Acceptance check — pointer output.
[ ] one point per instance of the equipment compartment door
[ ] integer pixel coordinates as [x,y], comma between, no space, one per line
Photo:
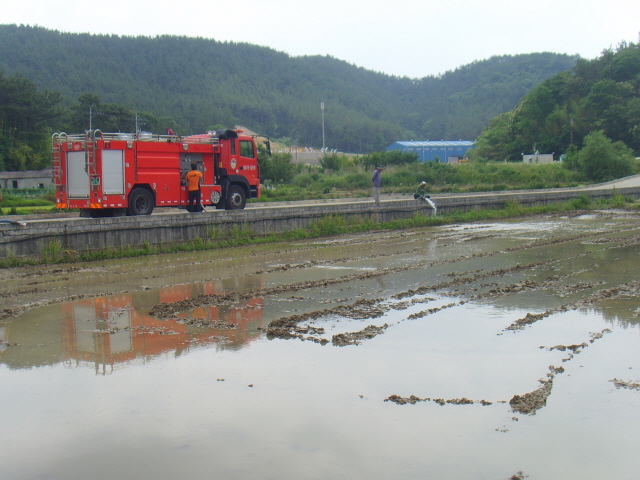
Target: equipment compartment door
[113,172]
[77,176]
[185,165]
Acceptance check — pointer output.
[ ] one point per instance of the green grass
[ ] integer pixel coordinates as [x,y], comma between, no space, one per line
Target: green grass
[353,181]
[17,205]
[27,210]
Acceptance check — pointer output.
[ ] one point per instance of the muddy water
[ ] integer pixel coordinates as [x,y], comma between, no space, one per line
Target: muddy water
[484,351]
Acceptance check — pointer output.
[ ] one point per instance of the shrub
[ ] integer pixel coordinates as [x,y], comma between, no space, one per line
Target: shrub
[280,168]
[305,180]
[334,162]
[602,160]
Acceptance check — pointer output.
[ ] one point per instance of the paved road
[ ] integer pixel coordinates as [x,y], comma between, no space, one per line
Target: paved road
[632,181]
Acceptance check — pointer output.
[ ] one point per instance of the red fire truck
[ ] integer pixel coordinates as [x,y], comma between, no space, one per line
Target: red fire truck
[114,174]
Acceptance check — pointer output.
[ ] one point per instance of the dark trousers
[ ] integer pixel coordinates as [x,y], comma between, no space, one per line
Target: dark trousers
[194,201]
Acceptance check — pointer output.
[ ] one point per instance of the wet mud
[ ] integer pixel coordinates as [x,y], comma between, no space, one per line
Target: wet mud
[354,338]
[629,385]
[629,290]
[412,400]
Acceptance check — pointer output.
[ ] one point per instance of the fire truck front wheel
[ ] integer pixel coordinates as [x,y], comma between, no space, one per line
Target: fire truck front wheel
[140,202]
[236,198]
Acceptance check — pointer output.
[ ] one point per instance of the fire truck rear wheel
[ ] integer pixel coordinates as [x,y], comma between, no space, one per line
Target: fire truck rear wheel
[237,198]
[140,202]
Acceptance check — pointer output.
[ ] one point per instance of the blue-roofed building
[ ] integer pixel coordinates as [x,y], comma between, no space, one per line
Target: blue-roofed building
[446,150]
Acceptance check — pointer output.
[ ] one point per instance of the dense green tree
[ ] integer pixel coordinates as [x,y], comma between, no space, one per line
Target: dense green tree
[24,113]
[572,160]
[264,161]
[602,160]
[597,95]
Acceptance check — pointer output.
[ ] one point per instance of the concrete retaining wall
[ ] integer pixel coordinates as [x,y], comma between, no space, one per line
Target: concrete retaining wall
[80,234]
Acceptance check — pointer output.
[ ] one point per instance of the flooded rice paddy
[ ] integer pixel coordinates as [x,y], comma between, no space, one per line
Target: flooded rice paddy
[481,351]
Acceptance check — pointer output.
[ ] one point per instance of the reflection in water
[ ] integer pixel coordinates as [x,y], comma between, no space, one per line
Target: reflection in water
[106,331]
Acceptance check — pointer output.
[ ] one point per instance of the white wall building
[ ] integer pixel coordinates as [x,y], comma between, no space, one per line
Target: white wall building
[28,179]
[538,158]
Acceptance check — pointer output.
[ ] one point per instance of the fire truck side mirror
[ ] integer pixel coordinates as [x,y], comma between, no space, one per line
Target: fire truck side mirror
[267,144]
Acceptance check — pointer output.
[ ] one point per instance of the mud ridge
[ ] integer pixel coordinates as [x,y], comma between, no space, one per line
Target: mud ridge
[355,338]
[167,310]
[288,327]
[530,403]
[19,309]
[550,283]
[626,290]
[412,400]
[518,476]
[335,261]
[431,311]
[466,280]
[623,384]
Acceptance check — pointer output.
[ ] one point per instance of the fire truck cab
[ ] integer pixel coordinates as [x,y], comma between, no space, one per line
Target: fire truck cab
[113,174]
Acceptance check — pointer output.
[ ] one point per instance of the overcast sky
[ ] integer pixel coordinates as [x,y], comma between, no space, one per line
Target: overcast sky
[414,38]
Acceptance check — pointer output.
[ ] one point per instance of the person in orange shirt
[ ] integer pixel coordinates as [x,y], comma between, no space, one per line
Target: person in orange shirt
[194,178]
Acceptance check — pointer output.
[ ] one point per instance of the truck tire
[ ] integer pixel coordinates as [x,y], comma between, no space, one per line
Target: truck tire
[236,198]
[140,202]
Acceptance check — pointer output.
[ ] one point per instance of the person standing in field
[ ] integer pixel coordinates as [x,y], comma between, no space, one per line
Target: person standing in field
[376,183]
[194,178]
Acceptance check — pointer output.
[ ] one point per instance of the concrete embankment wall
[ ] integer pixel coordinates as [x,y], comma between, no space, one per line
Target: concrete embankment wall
[79,234]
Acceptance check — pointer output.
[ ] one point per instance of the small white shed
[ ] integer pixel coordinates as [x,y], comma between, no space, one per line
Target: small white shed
[538,158]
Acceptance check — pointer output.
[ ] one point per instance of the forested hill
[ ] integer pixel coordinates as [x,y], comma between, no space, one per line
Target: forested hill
[200,83]
[602,94]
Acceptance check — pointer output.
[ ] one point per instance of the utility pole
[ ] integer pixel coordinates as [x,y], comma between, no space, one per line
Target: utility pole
[322,109]
[91,114]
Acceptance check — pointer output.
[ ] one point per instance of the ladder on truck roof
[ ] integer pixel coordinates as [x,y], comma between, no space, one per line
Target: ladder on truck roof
[89,139]
[56,168]
[90,151]
[212,137]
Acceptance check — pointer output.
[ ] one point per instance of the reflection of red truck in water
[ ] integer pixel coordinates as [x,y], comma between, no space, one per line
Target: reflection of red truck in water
[107,174]
[109,330]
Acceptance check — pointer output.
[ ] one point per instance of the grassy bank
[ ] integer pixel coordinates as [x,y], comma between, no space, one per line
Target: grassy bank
[351,180]
[217,238]
[24,204]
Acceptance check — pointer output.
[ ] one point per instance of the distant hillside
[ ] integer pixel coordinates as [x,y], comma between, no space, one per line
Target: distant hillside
[599,94]
[200,83]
